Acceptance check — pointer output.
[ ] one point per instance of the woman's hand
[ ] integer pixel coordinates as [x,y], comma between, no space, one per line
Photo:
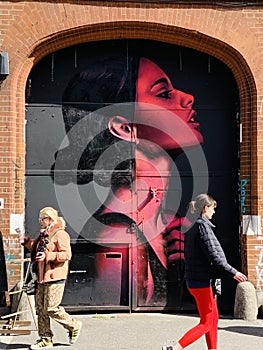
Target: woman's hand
[240,277]
[41,256]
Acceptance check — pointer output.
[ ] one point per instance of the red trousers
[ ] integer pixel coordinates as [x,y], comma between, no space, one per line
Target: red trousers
[207,326]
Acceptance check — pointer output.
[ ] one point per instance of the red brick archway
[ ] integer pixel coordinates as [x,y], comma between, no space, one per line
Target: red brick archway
[152,31]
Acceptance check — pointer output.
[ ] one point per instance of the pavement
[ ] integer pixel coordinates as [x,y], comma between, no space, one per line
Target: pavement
[140,331]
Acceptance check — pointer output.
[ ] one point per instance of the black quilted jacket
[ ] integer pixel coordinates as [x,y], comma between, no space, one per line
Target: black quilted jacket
[204,256]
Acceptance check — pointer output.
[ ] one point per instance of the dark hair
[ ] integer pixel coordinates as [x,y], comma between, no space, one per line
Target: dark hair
[200,202]
[91,96]
[112,80]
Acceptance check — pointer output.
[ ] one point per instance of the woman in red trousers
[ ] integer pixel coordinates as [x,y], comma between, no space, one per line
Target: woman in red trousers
[203,257]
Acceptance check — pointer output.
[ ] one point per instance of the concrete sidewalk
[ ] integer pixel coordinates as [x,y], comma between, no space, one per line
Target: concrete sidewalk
[142,331]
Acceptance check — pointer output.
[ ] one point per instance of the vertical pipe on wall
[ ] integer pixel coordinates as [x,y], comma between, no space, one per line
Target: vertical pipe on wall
[52,67]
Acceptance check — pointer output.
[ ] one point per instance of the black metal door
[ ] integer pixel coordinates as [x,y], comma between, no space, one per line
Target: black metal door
[114,263]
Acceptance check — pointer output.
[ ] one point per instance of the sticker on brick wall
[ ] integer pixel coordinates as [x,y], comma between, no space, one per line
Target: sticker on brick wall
[251,225]
[16,223]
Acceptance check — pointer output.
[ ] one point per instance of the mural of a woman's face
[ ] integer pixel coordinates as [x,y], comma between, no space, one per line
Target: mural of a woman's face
[165,116]
[116,178]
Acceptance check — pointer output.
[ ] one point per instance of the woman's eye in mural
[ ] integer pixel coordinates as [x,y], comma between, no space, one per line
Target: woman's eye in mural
[162,88]
[165,94]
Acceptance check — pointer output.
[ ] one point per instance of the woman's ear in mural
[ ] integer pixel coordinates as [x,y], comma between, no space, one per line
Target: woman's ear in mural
[122,128]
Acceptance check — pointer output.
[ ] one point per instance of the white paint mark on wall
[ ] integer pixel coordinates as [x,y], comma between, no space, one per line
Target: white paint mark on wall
[259,267]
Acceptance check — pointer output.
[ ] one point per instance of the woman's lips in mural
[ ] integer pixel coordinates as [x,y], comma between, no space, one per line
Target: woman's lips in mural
[192,120]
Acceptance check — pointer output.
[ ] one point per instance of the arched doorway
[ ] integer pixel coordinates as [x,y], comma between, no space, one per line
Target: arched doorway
[107,273]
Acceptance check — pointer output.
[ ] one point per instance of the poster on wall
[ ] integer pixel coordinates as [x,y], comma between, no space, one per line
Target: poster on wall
[121,135]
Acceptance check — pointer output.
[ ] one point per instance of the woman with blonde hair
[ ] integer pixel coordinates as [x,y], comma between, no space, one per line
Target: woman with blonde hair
[204,259]
[50,254]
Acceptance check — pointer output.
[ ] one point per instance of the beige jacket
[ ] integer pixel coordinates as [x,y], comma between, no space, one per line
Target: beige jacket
[58,254]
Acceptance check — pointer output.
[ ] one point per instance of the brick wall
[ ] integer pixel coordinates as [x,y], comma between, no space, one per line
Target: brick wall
[31,30]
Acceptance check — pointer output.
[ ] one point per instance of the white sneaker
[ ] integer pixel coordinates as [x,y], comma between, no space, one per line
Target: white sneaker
[42,344]
[74,334]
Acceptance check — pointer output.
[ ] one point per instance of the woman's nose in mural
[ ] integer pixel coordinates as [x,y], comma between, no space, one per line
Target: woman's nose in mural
[185,100]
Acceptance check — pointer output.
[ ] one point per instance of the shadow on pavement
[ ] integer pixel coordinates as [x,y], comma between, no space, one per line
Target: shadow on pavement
[13,346]
[255,331]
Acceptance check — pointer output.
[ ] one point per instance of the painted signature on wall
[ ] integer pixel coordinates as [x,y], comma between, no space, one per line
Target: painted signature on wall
[243,184]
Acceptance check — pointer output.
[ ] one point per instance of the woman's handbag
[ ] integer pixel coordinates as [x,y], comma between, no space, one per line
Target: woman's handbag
[31,282]
[216,286]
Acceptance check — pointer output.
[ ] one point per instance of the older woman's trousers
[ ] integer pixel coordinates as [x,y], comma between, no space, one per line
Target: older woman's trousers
[48,299]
